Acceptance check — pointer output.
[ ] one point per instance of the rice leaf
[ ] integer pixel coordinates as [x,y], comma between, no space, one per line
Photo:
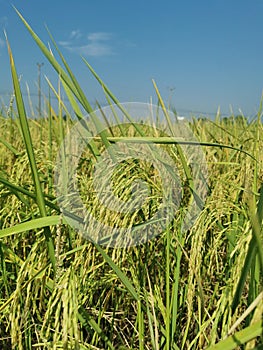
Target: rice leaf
[30,152]
[32,225]
[239,338]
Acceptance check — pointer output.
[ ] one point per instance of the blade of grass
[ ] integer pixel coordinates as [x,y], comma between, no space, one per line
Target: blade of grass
[32,225]
[86,319]
[57,96]
[182,157]
[120,126]
[171,141]
[50,147]
[70,80]
[80,94]
[10,147]
[18,189]
[30,152]
[175,287]
[113,97]
[83,100]
[125,280]
[254,246]
[61,72]
[239,338]
[257,233]
[246,313]
[167,117]
[167,288]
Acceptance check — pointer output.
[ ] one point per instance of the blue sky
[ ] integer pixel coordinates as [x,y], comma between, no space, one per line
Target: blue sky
[202,54]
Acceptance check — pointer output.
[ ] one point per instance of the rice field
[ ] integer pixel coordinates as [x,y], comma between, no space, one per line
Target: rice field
[65,283]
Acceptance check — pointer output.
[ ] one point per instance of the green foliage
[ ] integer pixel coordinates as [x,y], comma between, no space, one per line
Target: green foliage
[182,290]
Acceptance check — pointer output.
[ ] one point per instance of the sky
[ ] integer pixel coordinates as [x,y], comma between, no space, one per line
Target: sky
[201,54]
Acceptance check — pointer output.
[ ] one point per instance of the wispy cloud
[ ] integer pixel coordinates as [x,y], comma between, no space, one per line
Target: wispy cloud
[94,49]
[75,34]
[64,43]
[99,36]
[94,44]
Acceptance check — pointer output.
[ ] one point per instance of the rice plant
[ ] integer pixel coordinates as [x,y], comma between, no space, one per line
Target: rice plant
[193,288]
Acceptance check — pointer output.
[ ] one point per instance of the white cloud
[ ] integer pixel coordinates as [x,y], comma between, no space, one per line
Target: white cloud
[99,36]
[64,43]
[94,49]
[75,34]
[97,43]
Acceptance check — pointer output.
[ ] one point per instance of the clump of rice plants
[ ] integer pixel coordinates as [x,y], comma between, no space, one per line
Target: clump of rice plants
[196,288]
